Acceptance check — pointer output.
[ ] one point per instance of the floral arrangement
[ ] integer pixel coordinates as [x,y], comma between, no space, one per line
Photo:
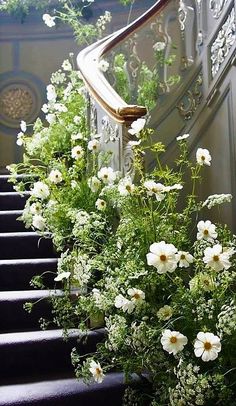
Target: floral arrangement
[159,278]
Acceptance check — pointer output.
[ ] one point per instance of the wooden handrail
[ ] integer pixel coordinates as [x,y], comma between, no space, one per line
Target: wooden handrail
[96,82]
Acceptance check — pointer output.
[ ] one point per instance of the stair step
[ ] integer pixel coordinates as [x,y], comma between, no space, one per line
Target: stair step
[42,352]
[13,200]
[17,273]
[6,186]
[13,317]
[25,245]
[65,392]
[9,222]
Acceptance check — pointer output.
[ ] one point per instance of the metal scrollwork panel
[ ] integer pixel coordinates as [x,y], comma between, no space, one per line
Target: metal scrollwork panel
[93,116]
[223,43]
[191,100]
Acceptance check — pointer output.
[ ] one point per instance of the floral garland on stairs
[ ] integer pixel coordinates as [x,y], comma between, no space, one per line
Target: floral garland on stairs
[161,281]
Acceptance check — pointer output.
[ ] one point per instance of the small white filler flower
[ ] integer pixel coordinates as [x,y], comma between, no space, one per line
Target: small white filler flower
[137,126]
[40,190]
[55,176]
[49,20]
[101,204]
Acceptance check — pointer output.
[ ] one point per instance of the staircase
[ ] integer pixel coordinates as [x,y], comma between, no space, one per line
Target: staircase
[35,367]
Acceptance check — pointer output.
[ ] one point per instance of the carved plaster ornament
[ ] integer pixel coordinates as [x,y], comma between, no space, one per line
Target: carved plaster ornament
[223,42]
[191,100]
[110,132]
[216,6]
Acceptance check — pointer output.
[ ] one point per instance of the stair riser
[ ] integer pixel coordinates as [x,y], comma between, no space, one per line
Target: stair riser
[9,222]
[18,275]
[6,186]
[25,246]
[13,317]
[12,201]
[47,356]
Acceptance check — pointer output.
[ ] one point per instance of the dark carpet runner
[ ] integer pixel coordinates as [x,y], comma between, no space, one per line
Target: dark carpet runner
[35,366]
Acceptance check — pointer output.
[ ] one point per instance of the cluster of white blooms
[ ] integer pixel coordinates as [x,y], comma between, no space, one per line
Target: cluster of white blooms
[192,387]
[227,320]
[51,93]
[20,135]
[139,337]
[103,21]
[217,199]
[116,327]
[57,78]
[66,65]
[137,296]
[203,309]
[82,270]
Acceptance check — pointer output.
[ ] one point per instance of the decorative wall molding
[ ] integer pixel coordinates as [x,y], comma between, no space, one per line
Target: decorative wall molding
[223,42]
[20,99]
[192,98]
[217,6]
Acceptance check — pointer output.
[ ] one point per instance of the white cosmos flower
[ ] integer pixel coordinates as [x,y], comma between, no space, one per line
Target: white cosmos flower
[184,259]
[96,371]
[156,189]
[40,190]
[51,93]
[107,175]
[202,281]
[206,230]
[35,208]
[163,257]
[94,145]
[122,303]
[20,140]
[94,183]
[203,157]
[23,126]
[173,341]
[103,65]
[137,126]
[50,118]
[216,258]
[61,276]
[165,313]
[38,222]
[182,137]
[101,204]
[55,176]
[207,346]
[137,295]
[77,152]
[126,187]
[49,20]
[66,65]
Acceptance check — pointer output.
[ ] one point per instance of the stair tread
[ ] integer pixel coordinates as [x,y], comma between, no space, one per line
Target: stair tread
[27,294]
[61,391]
[40,335]
[27,261]
[10,212]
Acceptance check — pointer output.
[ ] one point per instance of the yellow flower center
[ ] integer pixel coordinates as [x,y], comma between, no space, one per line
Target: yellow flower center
[128,188]
[105,176]
[163,258]
[182,256]
[173,340]
[207,346]
[205,232]
[98,371]
[136,296]
[203,158]
[216,258]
